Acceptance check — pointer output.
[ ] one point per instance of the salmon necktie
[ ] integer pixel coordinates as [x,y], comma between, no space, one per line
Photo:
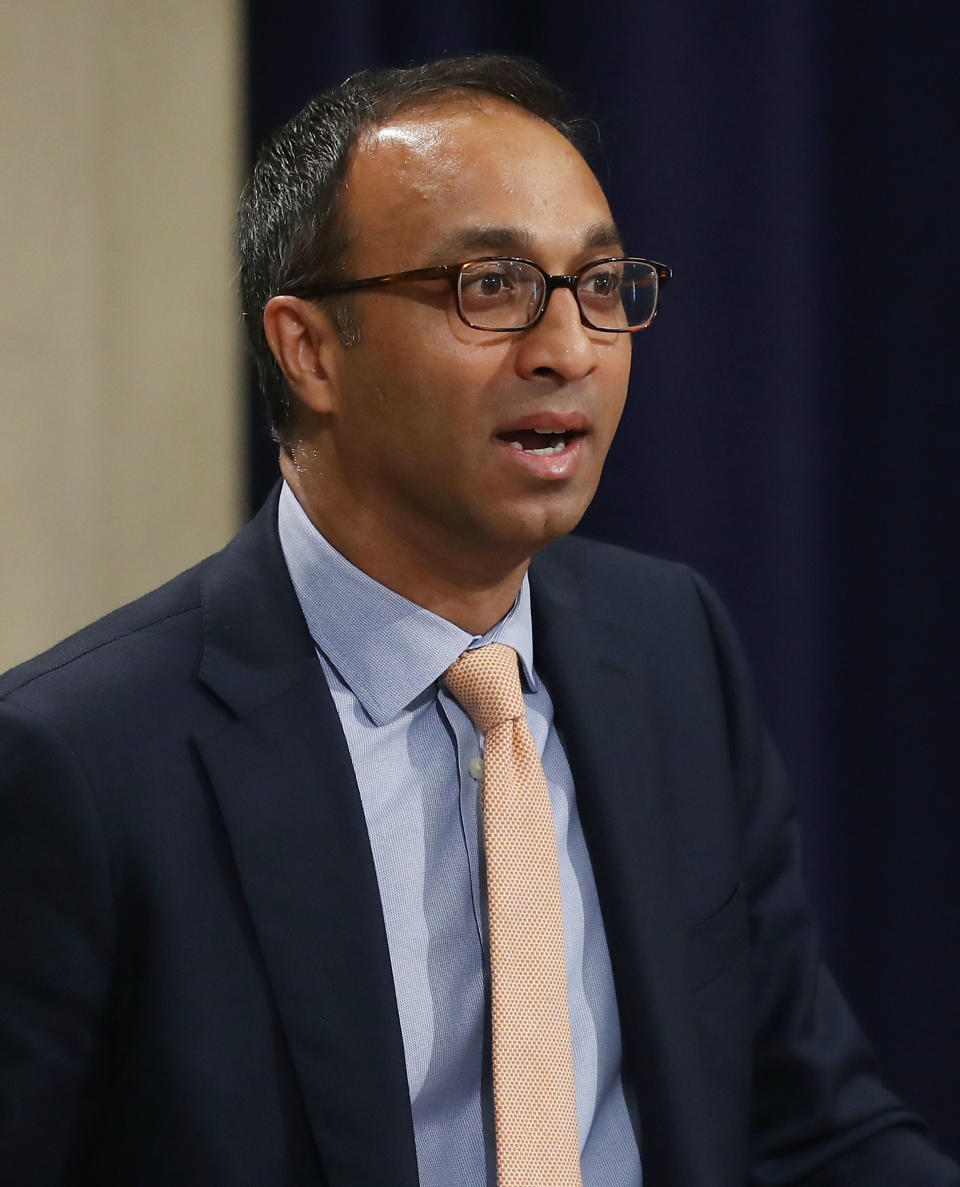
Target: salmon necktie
[534,1097]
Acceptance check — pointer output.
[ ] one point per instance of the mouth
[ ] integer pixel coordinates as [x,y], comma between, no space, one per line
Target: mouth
[541,442]
[548,446]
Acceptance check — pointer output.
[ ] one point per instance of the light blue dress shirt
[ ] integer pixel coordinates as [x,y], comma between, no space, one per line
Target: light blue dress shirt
[417,759]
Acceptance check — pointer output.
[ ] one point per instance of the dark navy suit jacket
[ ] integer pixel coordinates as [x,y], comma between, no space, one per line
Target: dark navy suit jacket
[195,986]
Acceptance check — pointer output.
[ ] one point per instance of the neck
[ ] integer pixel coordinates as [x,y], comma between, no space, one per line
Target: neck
[473,592]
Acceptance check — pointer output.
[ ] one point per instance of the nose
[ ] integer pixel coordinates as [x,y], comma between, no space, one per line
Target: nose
[559,344]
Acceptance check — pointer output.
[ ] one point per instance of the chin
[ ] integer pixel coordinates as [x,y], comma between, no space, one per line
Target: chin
[527,533]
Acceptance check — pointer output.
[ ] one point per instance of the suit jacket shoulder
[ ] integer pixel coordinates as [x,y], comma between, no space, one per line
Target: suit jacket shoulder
[749,1066]
[196,985]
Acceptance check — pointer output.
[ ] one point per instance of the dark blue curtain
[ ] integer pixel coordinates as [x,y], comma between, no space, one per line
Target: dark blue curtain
[793,417]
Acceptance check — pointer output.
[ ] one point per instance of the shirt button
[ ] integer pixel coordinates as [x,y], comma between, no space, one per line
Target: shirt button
[476,768]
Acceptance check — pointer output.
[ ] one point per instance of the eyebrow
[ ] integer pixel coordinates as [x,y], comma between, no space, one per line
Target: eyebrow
[519,241]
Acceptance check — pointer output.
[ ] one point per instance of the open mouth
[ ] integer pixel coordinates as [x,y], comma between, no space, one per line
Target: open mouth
[542,442]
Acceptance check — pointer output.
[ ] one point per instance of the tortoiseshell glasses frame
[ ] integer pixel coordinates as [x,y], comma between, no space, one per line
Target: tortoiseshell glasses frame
[507,294]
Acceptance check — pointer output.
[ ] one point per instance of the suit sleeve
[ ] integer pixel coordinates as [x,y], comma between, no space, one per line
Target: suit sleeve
[56,948]
[819,1114]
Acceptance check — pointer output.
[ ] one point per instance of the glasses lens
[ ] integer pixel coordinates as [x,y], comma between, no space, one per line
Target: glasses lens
[619,294]
[500,294]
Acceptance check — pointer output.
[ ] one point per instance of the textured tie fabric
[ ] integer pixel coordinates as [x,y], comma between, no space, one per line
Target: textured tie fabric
[535,1105]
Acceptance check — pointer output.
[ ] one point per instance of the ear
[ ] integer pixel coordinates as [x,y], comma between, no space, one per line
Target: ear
[306,345]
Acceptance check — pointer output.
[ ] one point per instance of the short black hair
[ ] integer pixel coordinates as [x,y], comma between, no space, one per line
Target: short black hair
[289,224]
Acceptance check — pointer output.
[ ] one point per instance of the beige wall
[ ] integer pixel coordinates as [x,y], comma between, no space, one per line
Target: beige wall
[120,388]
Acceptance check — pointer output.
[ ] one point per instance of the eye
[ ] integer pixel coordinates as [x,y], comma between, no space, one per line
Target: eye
[602,283]
[490,284]
[494,282]
[491,278]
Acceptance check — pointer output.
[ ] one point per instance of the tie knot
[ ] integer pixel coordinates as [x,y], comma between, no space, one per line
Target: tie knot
[486,682]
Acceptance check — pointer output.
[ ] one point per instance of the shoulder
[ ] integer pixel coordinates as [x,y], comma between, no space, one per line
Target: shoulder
[86,721]
[155,639]
[612,583]
[118,642]
[659,616]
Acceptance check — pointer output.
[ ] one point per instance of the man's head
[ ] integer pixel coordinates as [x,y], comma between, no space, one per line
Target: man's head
[417,442]
[292,225]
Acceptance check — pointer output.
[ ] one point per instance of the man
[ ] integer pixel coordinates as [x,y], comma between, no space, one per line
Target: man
[246,867]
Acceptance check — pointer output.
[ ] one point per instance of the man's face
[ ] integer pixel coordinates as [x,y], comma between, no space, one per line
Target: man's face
[431,412]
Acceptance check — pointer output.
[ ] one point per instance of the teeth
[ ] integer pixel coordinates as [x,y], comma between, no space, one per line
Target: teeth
[558,442]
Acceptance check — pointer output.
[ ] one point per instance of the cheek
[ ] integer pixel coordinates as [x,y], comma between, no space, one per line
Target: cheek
[440,390]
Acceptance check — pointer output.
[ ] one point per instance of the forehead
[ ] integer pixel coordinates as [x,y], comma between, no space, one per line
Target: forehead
[465,174]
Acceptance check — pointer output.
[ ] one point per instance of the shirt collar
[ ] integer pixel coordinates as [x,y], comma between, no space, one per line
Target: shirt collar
[387,649]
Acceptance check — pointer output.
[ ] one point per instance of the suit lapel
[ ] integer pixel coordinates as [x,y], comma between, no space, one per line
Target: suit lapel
[601,708]
[284,781]
[283,778]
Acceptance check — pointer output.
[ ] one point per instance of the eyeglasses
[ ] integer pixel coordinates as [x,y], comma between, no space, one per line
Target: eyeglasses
[618,295]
